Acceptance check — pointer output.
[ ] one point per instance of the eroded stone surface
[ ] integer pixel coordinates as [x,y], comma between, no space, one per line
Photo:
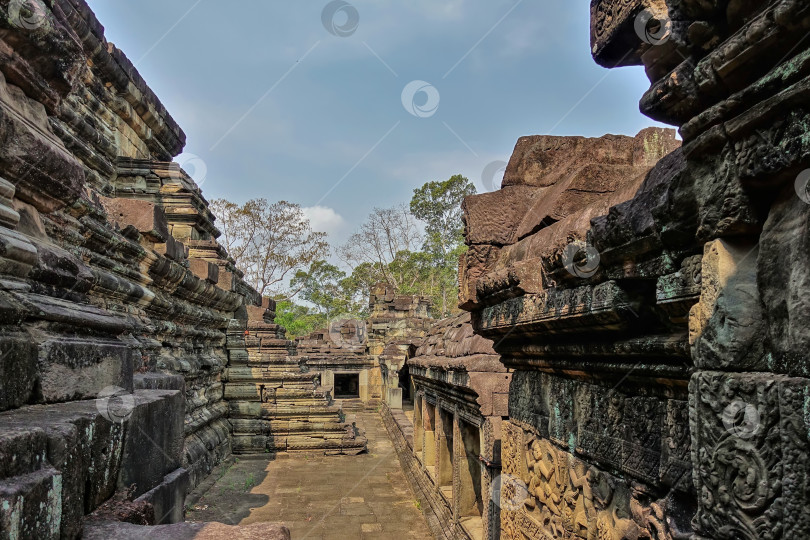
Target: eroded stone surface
[612,302]
[109,266]
[275,404]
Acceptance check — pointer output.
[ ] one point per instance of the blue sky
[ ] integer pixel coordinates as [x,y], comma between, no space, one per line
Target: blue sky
[276,106]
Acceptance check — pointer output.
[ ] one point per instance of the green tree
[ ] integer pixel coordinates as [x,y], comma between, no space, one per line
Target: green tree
[386,234]
[438,205]
[297,319]
[321,286]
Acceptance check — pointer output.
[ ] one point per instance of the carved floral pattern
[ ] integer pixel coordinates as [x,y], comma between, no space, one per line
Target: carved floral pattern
[568,498]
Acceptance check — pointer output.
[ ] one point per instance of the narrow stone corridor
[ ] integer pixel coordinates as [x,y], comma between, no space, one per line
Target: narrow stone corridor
[320,497]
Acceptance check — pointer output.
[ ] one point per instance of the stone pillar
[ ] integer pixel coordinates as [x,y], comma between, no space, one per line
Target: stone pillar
[394,398]
[470,499]
[429,450]
[418,426]
[365,390]
[445,451]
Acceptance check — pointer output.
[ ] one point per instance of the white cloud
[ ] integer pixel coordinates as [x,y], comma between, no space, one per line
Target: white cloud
[324,219]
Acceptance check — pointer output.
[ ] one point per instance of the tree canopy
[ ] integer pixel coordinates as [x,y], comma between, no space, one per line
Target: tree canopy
[269,241]
[413,248]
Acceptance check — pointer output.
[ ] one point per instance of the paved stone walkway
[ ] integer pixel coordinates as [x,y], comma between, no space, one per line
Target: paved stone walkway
[320,497]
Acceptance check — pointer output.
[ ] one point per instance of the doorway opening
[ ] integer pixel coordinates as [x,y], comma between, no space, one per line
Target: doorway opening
[347,385]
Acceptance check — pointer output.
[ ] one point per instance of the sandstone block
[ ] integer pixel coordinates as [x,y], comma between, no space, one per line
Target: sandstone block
[204,270]
[18,369]
[154,443]
[148,218]
[80,368]
[168,498]
[173,249]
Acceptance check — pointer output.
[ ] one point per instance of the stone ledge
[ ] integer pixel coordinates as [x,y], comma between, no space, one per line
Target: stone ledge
[104,530]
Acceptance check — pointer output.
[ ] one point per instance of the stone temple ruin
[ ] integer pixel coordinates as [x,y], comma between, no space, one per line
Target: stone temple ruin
[631,362]
[360,361]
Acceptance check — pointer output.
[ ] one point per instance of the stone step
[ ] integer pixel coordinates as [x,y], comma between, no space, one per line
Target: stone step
[255,409]
[79,449]
[255,392]
[285,426]
[253,444]
[31,505]
[250,374]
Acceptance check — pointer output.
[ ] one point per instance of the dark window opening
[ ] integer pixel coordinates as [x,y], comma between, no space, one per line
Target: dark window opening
[347,385]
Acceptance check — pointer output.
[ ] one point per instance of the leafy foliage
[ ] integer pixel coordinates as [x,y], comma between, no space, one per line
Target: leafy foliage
[297,319]
[391,248]
[273,244]
[385,235]
[326,287]
[438,204]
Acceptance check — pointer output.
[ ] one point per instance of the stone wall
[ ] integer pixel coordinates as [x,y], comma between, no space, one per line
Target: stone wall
[656,324]
[396,327]
[461,391]
[567,274]
[115,298]
[341,350]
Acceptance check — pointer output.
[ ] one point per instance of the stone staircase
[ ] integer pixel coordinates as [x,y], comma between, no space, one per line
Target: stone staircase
[273,405]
